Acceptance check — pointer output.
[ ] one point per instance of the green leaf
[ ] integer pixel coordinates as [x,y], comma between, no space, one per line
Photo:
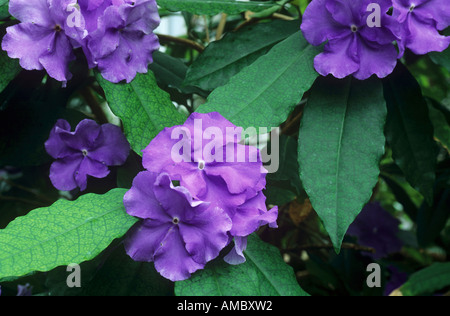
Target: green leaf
[170,73]
[222,59]
[409,131]
[402,197]
[66,232]
[442,58]
[341,143]
[130,278]
[4,9]
[432,219]
[143,107]
[10,68]
[264,93]
[288,164]
[263,274]
[427,281]
[213,7]
[440,124]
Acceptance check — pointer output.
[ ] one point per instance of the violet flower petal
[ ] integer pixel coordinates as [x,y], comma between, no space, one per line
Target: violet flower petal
[89,167]
[62,172]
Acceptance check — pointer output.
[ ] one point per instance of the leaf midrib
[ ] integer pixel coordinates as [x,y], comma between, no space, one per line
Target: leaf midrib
[338,156]
[272,82]
[255,262]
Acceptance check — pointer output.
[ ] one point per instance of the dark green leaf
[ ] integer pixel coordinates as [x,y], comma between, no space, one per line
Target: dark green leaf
[440,124]
[213,7]
[263,274]
[222,59]
[341,142]
[409,131]
[119,275]
[264,93]
[143,107]
[402,197]
[432,219]
[4,9]
[442,58]
[427,281]
[10,69]
[287,163]
[170,73]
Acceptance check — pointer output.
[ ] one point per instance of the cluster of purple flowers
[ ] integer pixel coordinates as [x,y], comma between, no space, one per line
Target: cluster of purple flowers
[191,208]
[115,35]
[217,200]
[360,35]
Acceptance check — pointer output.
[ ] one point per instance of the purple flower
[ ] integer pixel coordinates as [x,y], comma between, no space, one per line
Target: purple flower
[396,280]
[421,21]
[205,156]
[352,46]
[179,234]
[42,39]
[375,227]
[121,39]
[24,290]
[88,151]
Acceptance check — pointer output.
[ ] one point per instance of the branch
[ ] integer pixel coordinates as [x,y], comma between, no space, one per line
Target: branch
[94,104]
[329,246]
[17,199]
[171,39]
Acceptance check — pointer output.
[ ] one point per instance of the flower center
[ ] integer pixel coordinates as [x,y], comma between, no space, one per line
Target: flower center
[175,220]
[354,28]
[85,152]
[57,28]
[412,7]
[201,164]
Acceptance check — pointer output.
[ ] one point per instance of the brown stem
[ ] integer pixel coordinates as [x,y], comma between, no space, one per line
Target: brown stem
[328,246]
[294,121]
[94,104]
[171,39]
[16,199]
[221,27]
[23,188]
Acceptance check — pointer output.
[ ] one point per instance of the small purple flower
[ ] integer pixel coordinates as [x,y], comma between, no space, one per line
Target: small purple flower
[24,290]
[121,39]
[375,227]
[179,234]
[396,280]
[88,151]
[421,21]
[43,39]
[352,46]
[206,156]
